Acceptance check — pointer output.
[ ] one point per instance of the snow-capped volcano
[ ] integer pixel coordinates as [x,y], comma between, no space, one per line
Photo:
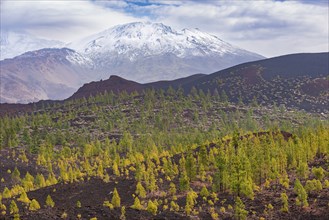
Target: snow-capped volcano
[153,51]
[152,39]
[13,43]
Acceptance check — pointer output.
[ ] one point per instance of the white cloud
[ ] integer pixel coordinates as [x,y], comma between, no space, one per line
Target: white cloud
[270,28]
[60,20]
[267,27]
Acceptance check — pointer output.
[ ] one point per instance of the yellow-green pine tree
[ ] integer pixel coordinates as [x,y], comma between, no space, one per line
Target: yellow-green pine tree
[50,202]
[116,201]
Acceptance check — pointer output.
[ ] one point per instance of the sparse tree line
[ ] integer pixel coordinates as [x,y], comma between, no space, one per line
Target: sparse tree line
[156,113]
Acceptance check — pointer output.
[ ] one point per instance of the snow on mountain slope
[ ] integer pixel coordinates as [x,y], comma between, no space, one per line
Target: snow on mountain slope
[43,74]
[16,43]
[153,39]
[152,51]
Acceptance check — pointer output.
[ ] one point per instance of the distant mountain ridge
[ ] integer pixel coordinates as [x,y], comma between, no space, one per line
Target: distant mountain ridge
[296,80]
[43,74]
[14,43]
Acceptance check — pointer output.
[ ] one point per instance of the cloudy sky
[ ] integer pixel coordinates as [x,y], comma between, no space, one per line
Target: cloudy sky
[268,27]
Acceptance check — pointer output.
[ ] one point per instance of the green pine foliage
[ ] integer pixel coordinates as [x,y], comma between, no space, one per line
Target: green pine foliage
[318,172]
[313,185]
[172,188]
[184,182]
[15,175]
[34,205]
[239,210]
[6,193]
[50,202]
[123,213]
[190,201]
[24,198]
[301,199]
[140,190]
[116,201]
[204,192]
[285,204]
[152,207]
[13,208]
[137,204]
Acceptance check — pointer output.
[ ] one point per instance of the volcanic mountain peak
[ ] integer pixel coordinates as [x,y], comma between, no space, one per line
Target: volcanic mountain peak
[146,52]
[151,39]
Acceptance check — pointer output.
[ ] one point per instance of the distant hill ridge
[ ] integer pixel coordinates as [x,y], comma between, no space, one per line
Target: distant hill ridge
[296,80]
[118,84]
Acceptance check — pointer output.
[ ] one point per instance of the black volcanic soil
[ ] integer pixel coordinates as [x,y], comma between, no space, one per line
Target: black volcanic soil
[9,160]
[316,87]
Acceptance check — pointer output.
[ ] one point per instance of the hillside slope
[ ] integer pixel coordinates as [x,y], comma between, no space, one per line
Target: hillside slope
[297,80]
[43,74]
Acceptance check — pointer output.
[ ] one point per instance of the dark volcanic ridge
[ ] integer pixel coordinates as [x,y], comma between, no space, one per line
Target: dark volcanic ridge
[298,81]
